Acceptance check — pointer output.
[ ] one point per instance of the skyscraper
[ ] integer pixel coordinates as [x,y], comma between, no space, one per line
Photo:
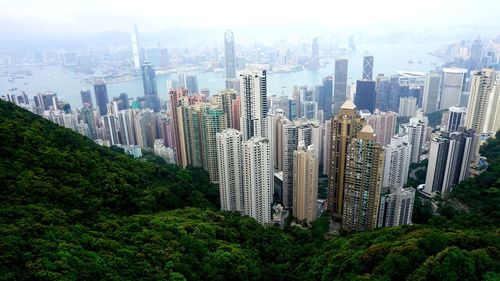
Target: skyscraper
[230,162]
[368,68]
[109,122]
[431,93]
[288,143]
[49,101]
[86,97]
[136,49]
[325,95]
[175,101]
[340,84]
[397,162]
[476,54]
[455,118]
[396,207]
[101,97]
[214,121]
[305,182]
[123,102]
[344,127]
[126,125]
[192,83]
[365,95]
[150,87]
[407,106]
[453,83]
[87,116]
[315,48]
[363,181]
[416,130]
[480,91]
[258,179]
[449,159]
[230,57]
[492,122]
[225,100]
[384,125]
[253,103]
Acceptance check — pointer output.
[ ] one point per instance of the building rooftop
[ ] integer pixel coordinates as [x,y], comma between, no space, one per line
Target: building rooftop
[348,105]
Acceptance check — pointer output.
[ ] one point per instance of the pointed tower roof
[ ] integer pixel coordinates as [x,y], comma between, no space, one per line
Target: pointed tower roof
[367,133]
[348,105]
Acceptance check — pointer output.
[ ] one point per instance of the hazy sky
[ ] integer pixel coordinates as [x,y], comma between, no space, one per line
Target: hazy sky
[56,17]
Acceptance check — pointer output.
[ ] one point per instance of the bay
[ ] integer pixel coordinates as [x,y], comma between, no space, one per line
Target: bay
[388,59]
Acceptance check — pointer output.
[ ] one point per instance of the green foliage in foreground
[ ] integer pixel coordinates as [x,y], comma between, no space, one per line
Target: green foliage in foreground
[71,210]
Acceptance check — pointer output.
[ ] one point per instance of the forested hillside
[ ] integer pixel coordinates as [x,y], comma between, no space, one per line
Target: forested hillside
[72,210]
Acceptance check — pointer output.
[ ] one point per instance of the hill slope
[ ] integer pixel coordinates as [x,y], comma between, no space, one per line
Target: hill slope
[70,209]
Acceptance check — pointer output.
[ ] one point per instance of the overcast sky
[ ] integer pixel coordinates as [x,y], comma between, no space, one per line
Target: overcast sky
[58,17]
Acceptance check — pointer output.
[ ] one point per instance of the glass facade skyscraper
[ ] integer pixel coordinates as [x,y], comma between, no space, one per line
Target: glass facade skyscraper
[150,88]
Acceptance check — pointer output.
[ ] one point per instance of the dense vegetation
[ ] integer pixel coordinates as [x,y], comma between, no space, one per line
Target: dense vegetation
[70,210]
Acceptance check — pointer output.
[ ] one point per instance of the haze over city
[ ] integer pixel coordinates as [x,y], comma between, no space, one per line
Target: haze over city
[42,21]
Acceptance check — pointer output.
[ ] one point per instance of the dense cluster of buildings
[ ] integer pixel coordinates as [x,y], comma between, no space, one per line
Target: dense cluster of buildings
[267,152]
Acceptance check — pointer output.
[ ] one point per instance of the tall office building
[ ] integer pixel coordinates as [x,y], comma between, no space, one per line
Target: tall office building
[480,92]
[288,138]
[123,102]
[258,179]
[191,130]
[363,181]
[476,54]
[86,97]
[164,58]
[492,122]
[230,164]
[407,106]
[325,158]
[109,122]
[455,118]
[368,68]
[136,49]
[344,127]
[397,162]
[449,161]
[384,125]
[277,119]
[305,182]
[145,128]
[176,96]
[225,100]
[236,113]
[192,83]
[214,121]
[416,130]
[431,92]
[101,97]
[325,95]
[452,87]
[253,103]
[150,87]
[339,84]
[49,101]
[315,48]
[230,57]
[87,116]
[126,125]
[396,207]
[365,95]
